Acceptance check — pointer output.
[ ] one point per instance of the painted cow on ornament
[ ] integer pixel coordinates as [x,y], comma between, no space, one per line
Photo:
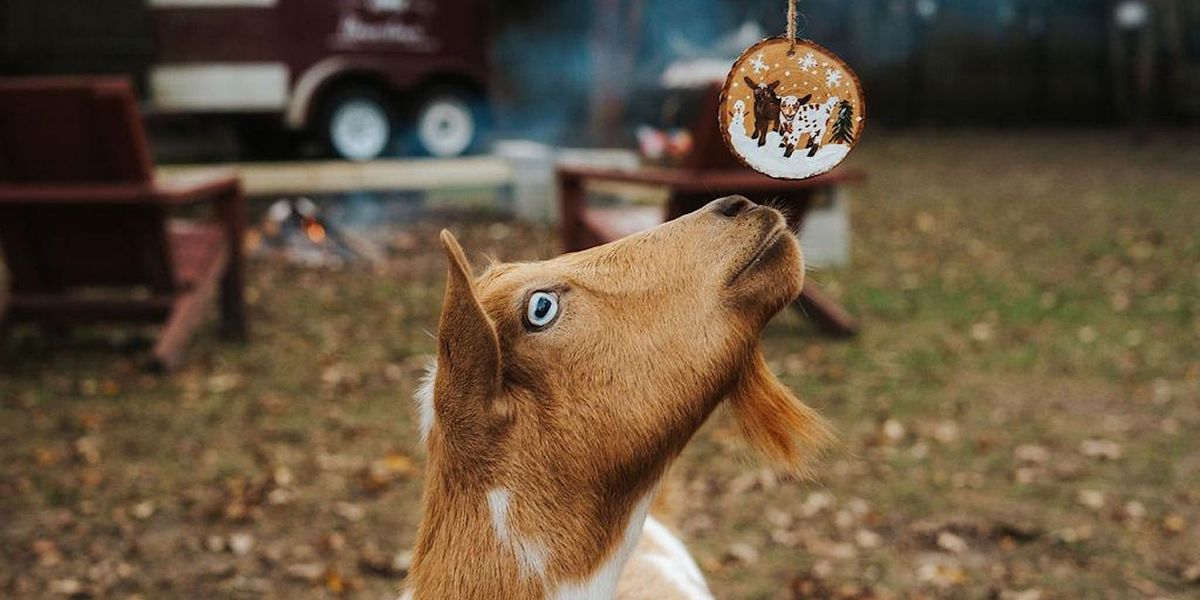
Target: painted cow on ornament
[564,389]
[811,120]
[766,109]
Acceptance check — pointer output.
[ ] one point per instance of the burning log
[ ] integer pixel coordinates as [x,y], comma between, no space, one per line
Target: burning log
[299,230]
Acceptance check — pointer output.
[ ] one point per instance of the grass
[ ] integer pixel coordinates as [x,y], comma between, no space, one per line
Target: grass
[1022,294]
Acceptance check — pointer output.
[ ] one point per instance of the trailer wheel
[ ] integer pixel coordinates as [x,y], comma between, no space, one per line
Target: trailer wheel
[447,122]
[358,123]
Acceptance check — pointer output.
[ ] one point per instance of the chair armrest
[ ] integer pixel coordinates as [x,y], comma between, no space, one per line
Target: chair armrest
[172,192]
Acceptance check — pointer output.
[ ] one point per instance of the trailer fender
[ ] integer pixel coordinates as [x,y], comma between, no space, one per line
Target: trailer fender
[300,106]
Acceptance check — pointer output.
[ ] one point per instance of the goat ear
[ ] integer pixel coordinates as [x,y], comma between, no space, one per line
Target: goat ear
[805,99]
[468,374]
[775,422]
[750,82]
[773,85]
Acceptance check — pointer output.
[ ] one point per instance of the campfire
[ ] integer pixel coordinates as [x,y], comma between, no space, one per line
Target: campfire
[299,231]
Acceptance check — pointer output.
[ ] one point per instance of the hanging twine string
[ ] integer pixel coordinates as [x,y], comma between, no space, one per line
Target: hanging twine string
[791,25]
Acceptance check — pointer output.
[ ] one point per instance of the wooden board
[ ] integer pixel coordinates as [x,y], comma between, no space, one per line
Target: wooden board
[323,177]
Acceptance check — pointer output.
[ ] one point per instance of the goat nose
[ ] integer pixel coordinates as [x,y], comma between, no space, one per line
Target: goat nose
[732,206]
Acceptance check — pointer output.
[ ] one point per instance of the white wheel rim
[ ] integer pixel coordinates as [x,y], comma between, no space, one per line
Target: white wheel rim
[359,129]
[446,126]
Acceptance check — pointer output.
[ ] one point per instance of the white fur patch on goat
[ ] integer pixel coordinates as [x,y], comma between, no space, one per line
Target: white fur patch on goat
[603,582]
[423,398]
[674,563]
[531,556]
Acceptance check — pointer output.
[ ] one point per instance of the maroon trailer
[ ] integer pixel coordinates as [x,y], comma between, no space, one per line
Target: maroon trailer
[357,73]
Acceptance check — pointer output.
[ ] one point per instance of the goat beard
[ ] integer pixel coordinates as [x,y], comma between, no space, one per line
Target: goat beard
[775,423]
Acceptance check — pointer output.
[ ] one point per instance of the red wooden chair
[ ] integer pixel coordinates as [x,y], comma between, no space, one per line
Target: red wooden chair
[708,172]
[84,225]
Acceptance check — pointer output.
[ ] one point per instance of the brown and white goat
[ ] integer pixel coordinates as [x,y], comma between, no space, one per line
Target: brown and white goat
[563,390]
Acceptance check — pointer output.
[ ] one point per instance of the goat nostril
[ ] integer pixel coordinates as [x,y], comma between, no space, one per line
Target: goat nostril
[732,206]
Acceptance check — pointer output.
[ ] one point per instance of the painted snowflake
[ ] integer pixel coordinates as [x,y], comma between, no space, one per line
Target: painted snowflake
[807,62]
[833,77]
[758,65]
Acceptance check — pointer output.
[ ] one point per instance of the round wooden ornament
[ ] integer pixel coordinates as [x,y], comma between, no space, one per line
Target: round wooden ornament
[791,109]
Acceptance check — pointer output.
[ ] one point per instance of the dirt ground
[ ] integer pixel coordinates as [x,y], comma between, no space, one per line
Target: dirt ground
[1019,418]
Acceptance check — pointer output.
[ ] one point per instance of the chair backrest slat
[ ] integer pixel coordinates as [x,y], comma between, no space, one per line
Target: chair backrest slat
[61,129]
[83,132]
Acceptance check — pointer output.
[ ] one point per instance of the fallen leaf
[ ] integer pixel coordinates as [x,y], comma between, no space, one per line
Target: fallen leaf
[1026,475]
[221,383]
[946,432]
[1030,453]
[867,539]
[399,464]
[1093,499]
[215,543]
[279,497]
[742,552]
[1030,594]
[942,574]
[377,563]
[1087,334]
[349,511]
[283,476]
[1134,509]
[1103,449]
[1191,574]
[334,582]
[309,572]
[951,543]
[47,457]
[66,587]
[983,332]
[1174,523]
[335,542]
[1074,535]
[894,431]
[142,510]
[241,543]
[47,552]
[87,449]
[815,503]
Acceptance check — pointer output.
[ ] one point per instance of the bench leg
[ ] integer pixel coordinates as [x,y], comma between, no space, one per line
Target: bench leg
[572,198]
[172,341]
[5,325]
[233,305]
[232,299]
[186,314]
[828,315]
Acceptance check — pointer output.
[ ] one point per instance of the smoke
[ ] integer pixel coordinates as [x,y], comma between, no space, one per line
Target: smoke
[920,61]
[546,67]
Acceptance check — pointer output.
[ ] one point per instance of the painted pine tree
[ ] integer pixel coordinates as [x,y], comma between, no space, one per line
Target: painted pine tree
[843,127]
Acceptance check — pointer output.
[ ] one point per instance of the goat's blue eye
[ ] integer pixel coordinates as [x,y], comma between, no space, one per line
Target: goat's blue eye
[542,309]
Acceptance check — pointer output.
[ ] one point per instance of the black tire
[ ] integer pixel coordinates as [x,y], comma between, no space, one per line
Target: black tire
[358,123]
[447,121]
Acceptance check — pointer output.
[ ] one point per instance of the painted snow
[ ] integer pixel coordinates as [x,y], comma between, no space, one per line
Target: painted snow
[769,158]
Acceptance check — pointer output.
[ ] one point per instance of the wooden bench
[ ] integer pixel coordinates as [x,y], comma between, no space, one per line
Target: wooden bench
[85,227]
[708,172]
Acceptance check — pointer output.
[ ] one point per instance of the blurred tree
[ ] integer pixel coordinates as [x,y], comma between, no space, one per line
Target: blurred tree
[615,38]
